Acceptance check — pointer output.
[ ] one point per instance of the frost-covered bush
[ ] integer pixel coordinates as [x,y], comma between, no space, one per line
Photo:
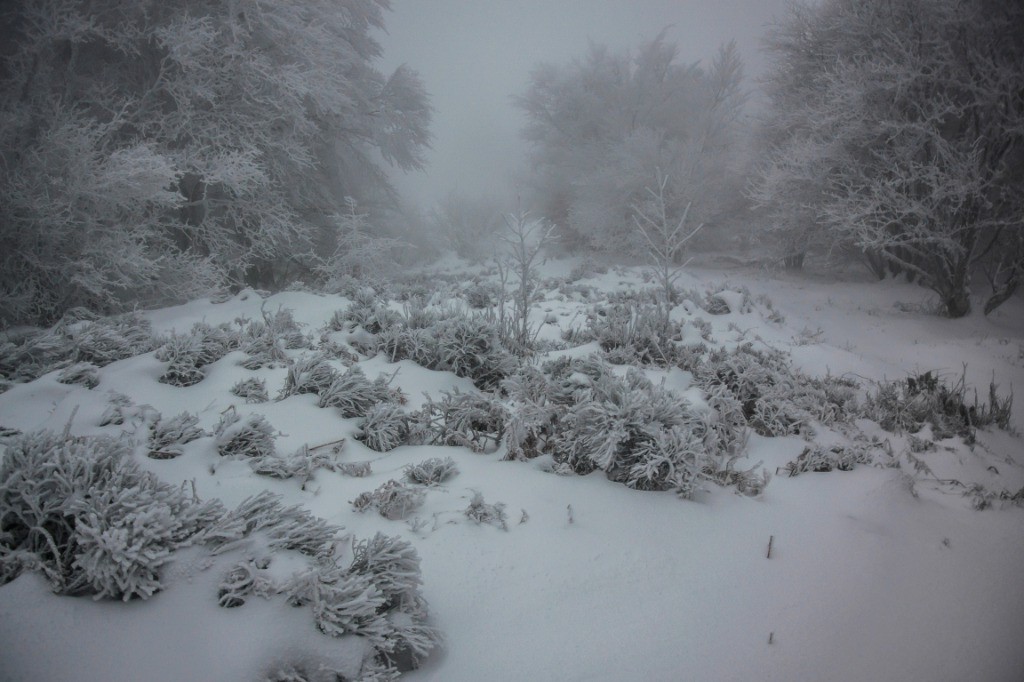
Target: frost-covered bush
[81,373]
[118,405]
[82,512]
[482,512]
[635,334]
[908,404]
[775,399]
[79,336]
[450,341]
[302,464]
[263,522]
[392,500]
[167,436]
[431,472]
[639,434]
[375,596]
[354,469]
[482,295]
[837,457]
[187,354]
[368,311]
[353,394]
[265,342]
[384,427]
[252,390]
[473,420]
[308,374]
[249,436]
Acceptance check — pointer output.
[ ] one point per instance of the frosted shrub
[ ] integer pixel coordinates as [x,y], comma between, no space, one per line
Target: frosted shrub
[203,345]
[311,374]
[354,469]
[78,337]
[167,436]
[367,311]
[81,373]
[252,390]
[637,433]
[473,420]
[431,472]
[262,521]
[775,399]
[302,464]
[189,353]
[118,406]
[908,404]
[482,295]
[468,346]
[353,394]
[375,597]
[264,342]
[384,427]
[392,500]
[249,436]
[81,511]
[838,457]
[110,339]
[481,512]
[635,334]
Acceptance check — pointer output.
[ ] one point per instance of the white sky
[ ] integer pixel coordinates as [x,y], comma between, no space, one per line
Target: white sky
[473,55]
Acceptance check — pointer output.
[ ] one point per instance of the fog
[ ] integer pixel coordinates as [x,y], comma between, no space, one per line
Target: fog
[473,56]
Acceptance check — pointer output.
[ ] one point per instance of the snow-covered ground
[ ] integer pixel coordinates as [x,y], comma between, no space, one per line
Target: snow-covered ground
[873,575]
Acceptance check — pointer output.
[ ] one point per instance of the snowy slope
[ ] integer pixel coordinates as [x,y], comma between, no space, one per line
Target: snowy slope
[873,575]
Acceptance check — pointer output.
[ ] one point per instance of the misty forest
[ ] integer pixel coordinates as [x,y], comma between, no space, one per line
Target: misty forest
[681,345]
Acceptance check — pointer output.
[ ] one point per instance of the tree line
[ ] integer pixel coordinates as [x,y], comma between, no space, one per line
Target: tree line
[150,150]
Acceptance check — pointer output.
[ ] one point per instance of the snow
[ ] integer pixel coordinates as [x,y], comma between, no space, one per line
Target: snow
[593,581]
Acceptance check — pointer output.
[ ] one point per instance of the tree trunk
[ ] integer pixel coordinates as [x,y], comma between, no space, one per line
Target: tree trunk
[794,261]
[1002,294]
[957,305]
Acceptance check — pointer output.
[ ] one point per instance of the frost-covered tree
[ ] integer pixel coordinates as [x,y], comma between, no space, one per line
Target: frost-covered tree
[602,125]
[898,127]
[144,143]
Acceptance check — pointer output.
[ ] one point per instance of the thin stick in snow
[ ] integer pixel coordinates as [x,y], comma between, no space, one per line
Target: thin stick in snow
[771,539]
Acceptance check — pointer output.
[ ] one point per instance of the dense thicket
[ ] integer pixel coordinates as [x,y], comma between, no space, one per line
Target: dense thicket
[152,147]
[606,127]
[897,127]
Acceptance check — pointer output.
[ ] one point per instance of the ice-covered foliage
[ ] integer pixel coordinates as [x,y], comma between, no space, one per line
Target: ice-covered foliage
[640,334]
[187,354]
[252,390]
[385,427]
[354,395]
[167,436]
[79,336]
[262,521]
[482,512]
[431,472]
[301,465]
[908,404]
[375,596]
[451,341]
[81,373]
[392,500]
[837,457]
[473,420]
[118,407]
[775,399]
[249,436]
[640,434]
[308,374]
[82,512]
[264,342]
